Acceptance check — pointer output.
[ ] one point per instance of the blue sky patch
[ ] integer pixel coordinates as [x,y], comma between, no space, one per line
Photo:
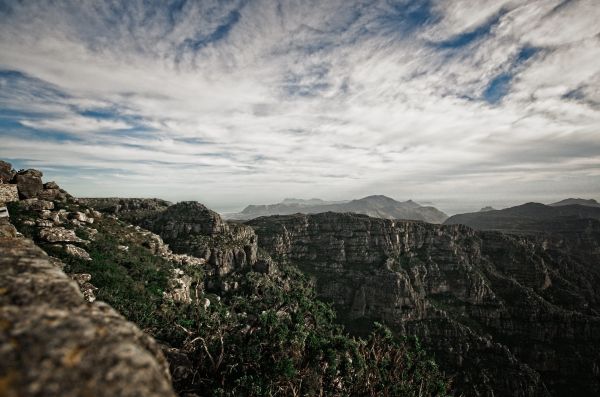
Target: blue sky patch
[497,88]
[473,35]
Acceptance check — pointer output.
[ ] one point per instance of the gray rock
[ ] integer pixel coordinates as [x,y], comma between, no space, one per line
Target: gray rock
[54,344]
[191,228]
[34,204]
[8,193]
[29,183]
[77,252]
[81,217]
[7,229]
[86,288]
[499,313]
[6,172]
[59,235]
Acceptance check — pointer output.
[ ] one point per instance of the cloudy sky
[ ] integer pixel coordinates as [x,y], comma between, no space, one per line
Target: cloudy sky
[459,102]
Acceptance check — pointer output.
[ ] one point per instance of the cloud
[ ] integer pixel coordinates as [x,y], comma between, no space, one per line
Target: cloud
[232,102]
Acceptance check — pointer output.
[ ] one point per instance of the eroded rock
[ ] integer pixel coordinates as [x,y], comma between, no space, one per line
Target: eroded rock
[29,183]
[6,172]
[77,252]
[59,235]
[54,344]
[34,204]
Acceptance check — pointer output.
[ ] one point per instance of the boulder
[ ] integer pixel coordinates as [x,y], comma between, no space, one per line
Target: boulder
[81,217]
[7,229]
[59,235]
[29,183]
[77,252]
[8,193]
[6,172]
[86,288]
[33,204]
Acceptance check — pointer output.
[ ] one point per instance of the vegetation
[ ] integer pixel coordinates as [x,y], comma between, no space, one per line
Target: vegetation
[273,337]
[267,336]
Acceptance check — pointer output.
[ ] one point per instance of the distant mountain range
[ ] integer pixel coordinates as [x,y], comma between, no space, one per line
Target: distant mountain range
[532,218]
[377,206]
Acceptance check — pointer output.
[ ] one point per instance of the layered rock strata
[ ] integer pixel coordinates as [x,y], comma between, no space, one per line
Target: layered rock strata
[480,301]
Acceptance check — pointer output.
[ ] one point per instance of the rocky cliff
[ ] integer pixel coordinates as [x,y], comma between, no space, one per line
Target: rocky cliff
[489,304]
[53,342]
[191,228]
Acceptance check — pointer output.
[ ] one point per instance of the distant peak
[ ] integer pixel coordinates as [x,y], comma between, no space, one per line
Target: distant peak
[577,201]
[378,197]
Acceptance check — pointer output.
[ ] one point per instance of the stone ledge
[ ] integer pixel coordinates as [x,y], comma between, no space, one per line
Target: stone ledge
[53,343]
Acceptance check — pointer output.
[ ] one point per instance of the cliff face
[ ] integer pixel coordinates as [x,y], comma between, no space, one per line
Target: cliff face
[191,228]
[488,304]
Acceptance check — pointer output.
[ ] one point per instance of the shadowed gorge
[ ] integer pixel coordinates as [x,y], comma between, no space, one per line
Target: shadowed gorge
[501,312]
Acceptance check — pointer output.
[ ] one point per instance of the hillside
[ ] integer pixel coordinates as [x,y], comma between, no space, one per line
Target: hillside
[578,201]
[377,206]
[502,314]
[530,218]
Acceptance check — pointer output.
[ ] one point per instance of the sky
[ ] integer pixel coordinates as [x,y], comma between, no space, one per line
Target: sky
[462,103]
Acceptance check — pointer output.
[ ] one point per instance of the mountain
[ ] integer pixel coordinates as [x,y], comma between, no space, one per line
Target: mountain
[530,218]
[502,314]
[376,206]
[578,201]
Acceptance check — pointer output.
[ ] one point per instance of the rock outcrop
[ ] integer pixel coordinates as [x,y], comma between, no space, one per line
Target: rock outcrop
[54,343]
[488,304]
[8,193]
[191,228]
[6,172]
[133,210]
[29,183]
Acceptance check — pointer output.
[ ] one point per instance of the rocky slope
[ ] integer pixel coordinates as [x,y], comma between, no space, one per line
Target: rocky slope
[495,308]
[53,342]
[128,209]
[376,206]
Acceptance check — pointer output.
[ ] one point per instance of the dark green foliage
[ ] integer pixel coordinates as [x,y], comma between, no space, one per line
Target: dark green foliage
[272,336]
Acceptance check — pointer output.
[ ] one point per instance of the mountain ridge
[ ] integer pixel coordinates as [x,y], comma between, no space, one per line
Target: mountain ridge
[379,206]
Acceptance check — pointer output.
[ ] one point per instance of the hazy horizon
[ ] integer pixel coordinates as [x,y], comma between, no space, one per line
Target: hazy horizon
[249,102]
